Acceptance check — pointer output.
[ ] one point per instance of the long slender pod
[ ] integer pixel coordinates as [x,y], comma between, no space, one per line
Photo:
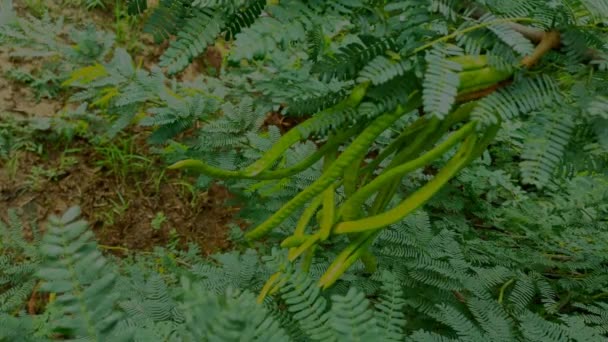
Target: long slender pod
[307,215]
[460,114]
[418,145]
[296,135]
[488,137]
[351,176]
[484,76]
[422,143]
[417,199]
[468,151]
[328,211]
[344,260]
[312,240]
[355,202]
[209,170]
[358,146]
[308,258]
[471,62]
[397,144]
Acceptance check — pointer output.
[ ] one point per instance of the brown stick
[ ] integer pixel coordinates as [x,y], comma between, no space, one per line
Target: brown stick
[533,34]
[550,40]
[537,35]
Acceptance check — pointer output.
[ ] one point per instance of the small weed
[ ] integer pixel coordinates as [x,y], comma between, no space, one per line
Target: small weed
[117,210]
[126,28]
[37,7]
[40,175]
[189,190]
[12,165]
[121,159]
[158,220]
[173,239]
[16,136]
[44,83]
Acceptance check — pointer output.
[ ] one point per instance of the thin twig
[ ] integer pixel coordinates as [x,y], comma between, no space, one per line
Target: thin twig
[537,35]
[550,40]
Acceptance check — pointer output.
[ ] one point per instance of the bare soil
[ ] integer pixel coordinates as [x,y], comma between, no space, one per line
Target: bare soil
[120,208]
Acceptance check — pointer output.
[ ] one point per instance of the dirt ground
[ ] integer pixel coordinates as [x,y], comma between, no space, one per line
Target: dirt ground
[137,210]
[121,211]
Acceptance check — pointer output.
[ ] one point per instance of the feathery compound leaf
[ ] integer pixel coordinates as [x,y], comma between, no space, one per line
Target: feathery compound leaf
[381,70]
[352,57]
[351,317]
[304,301]
[244,18]
[547,138]
[167,18]
[441,82]
[192,40]
[77,272]
[316,42]
[389,310]
[232,316]
[509,36]
[522,97]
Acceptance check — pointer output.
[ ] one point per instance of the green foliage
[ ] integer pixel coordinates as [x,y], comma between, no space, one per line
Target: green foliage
[486,258]
[75,270]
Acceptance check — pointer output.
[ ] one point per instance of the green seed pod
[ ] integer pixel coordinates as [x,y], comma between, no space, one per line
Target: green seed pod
[329,177]
[204,168]
[329,205]
[344,260]
[296,135]
[470,62]
[416,199]
[481,77]
[354,203]
[294,241]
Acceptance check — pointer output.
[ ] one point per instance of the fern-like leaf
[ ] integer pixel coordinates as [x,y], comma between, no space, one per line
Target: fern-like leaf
[192,40]
[77,272]
[441,83]
[547,140]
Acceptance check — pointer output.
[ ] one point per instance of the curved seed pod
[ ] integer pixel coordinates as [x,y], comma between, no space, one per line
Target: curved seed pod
[395,145]
[487,138]
[312,240]
[329,201]
[295,135]
[202,167]
[422,142]
[416,199]
[269,287]
[307,215]
[358,146]
[476,88]
[355,202]
[344,260]
[470,62]
[308,259]
[295,241]
[351,176]
[485,76]
[462,113]
[426,137]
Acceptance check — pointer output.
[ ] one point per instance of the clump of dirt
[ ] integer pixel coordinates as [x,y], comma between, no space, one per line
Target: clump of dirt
[128,212]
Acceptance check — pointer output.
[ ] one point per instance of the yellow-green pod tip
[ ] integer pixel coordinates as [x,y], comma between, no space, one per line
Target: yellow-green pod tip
[185,164]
